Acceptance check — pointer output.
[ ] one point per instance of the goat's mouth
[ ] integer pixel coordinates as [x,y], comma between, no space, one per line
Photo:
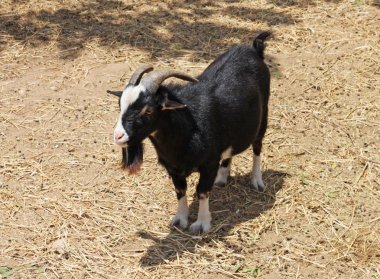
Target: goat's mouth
[132,157]
[121,140]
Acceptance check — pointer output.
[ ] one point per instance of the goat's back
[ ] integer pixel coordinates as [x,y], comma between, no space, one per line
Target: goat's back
[230,97]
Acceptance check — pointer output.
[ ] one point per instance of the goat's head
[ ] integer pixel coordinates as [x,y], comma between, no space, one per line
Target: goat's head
[140,107]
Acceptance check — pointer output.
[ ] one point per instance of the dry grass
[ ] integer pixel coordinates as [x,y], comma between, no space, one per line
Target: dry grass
[67,211]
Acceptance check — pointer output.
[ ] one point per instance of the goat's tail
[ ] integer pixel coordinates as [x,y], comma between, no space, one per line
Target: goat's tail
[258,43]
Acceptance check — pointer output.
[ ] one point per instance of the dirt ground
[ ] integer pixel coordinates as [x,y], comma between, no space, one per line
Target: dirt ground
[68,211]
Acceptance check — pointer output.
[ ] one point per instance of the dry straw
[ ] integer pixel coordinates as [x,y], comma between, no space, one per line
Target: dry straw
[68,211]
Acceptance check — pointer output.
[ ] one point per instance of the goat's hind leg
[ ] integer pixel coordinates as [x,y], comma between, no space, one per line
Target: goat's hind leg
[183,210]
[256,178]
[223,173]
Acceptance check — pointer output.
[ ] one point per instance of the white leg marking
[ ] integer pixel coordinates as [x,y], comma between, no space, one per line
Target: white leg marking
[223,173]
[203,222]
[257,179]
[182,213]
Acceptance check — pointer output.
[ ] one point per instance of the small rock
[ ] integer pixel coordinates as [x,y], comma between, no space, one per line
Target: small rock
[60,246]
[22,91]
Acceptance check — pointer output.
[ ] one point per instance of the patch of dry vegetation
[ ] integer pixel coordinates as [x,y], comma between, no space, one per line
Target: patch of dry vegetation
[67,210]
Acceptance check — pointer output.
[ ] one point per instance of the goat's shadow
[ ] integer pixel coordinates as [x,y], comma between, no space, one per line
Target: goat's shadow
[234,204]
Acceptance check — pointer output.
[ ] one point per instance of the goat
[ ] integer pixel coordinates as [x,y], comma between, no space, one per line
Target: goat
[198,126]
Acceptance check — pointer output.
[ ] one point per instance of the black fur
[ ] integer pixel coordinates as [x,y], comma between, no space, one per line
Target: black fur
[132,158]
[258,43]
[225,163]
[227,107]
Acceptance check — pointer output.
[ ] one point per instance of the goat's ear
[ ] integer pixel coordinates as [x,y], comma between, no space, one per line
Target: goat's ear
[115,93]
[168,104]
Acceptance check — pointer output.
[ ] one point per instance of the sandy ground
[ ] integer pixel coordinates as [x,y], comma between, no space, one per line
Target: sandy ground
[68,211]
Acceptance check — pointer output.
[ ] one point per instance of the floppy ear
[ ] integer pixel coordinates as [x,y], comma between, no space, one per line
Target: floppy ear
[115,93]
[168,104]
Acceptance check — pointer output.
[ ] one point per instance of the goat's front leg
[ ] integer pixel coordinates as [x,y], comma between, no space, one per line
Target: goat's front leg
[206,181]
[183,210]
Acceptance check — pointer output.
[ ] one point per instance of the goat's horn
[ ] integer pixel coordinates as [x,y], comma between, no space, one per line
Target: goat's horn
[115,93]
[137,75]
[154,79]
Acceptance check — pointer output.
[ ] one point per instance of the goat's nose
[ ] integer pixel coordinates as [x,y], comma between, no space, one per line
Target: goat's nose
[119,135]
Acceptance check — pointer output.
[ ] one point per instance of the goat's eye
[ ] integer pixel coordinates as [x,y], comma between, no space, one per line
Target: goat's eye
[146,111]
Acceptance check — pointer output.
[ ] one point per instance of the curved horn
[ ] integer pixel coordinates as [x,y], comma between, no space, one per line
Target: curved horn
[137,75]
[154,79]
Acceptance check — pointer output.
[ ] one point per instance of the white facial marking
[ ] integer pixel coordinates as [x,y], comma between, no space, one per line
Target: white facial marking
[203,222]
[227,153]
[223,173]
[182,213]
[257,180]
[129,96]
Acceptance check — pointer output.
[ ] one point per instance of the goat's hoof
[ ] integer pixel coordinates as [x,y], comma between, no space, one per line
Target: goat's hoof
[200,226]
[220,184]
[179,220]
[258,185]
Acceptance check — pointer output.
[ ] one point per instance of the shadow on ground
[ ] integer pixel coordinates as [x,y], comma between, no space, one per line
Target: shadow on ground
[168,29]
[232,205]
[376,3]
[299,3]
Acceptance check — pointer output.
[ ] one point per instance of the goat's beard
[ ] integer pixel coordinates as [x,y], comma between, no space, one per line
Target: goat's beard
[132,158]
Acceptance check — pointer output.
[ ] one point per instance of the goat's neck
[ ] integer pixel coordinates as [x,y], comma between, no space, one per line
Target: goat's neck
[175,130]
[175,126]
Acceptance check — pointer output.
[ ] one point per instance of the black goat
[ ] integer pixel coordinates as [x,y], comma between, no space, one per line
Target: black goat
[198,126]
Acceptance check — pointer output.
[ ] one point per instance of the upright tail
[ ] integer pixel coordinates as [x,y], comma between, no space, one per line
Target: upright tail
[258,43]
